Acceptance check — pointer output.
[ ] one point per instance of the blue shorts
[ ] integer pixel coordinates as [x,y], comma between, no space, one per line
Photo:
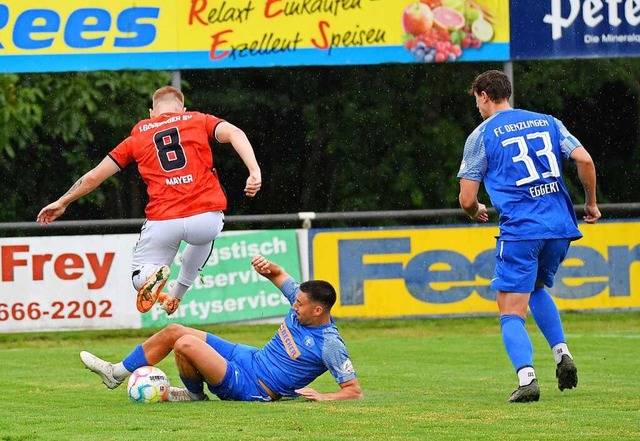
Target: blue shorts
[519,264]
[240,382]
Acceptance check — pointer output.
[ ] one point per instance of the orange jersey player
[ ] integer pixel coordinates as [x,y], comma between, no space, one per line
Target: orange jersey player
[176,163]
[186,201]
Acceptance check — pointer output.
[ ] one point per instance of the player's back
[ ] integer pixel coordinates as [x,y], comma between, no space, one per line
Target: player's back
[524,176]
[175,161]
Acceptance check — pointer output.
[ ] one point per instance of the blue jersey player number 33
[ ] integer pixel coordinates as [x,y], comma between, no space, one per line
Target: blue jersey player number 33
[518,156]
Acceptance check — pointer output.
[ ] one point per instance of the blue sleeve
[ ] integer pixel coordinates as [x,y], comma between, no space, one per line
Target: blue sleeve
[336,358]
[290,289]
[474,158]
[568,142]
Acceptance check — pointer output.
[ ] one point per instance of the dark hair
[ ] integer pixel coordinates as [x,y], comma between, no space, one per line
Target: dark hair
[494,83]
[320,291]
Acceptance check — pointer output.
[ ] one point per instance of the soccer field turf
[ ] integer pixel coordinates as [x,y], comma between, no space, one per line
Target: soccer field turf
[444,379]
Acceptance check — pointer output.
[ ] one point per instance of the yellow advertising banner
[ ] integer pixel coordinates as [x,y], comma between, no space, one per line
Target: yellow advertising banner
[446,271]
[41,35]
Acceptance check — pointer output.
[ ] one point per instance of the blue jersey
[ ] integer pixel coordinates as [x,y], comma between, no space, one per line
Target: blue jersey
[518,155]
[298,354]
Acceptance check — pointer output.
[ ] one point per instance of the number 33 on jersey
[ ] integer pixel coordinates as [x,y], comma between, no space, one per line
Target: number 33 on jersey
[518,155]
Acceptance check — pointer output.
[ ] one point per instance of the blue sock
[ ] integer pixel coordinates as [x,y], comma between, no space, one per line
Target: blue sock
[195,387]
[135,359]
[545,313]
[516,341]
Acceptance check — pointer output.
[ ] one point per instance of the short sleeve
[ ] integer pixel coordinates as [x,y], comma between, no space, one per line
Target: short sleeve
[474,158]
[568,142]
[336,357]
[211,124]
[122,155]
[290,289]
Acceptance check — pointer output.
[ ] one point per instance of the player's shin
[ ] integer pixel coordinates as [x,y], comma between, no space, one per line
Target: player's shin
[547,317]
[130,363]
[518,345]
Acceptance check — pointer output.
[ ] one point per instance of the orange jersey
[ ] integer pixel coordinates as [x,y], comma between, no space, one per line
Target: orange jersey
[175,161]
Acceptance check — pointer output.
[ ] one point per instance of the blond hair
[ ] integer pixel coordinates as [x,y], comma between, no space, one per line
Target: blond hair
[168,94]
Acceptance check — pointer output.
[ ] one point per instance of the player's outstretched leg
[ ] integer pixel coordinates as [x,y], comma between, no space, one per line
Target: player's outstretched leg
[526,394]
[148,293]
[100,367]
[566,373]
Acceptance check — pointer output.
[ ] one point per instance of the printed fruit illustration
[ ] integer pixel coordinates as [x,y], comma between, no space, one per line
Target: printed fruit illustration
[457,5]
[417,19]
[438,31]
[434,46]
[432,3]
[482,30]
[472,14]
[447,18]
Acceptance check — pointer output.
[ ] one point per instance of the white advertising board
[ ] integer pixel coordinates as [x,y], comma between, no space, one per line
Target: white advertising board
[66,283]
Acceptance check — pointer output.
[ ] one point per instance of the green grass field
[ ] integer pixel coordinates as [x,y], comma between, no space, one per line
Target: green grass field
[445,379]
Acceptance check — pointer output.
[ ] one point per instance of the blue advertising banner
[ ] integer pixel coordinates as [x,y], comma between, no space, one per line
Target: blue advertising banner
[574,29]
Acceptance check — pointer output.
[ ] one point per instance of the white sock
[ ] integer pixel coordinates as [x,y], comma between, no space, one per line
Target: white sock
[526,375]
[178,290]
[559,350]
[120,372]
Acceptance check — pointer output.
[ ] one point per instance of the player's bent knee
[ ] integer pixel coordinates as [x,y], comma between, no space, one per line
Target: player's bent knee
[174,331]
[185,345]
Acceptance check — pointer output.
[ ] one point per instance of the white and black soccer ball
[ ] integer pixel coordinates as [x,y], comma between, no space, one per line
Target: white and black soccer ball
[148,384]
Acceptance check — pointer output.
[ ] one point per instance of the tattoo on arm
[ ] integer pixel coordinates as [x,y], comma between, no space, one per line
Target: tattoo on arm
[73,187]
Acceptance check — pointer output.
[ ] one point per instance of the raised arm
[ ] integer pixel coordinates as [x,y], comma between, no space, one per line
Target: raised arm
[270,270]
[228,133]
[349,390]
[587,175]
[83,186]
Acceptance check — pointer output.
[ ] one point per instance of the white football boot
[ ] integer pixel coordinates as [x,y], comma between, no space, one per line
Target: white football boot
[181,394]
[100,367]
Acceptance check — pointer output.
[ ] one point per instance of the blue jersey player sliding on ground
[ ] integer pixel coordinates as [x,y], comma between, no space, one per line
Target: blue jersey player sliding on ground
[305,346]
[518,154]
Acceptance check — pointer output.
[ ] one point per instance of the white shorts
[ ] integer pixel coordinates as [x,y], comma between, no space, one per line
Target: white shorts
[160,241]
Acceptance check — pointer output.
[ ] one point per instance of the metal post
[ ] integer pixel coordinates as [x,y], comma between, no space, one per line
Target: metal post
[306,217]
[508,70]
[175,79]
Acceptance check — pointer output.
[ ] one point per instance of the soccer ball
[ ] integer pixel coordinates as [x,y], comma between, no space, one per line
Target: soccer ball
[148,384]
